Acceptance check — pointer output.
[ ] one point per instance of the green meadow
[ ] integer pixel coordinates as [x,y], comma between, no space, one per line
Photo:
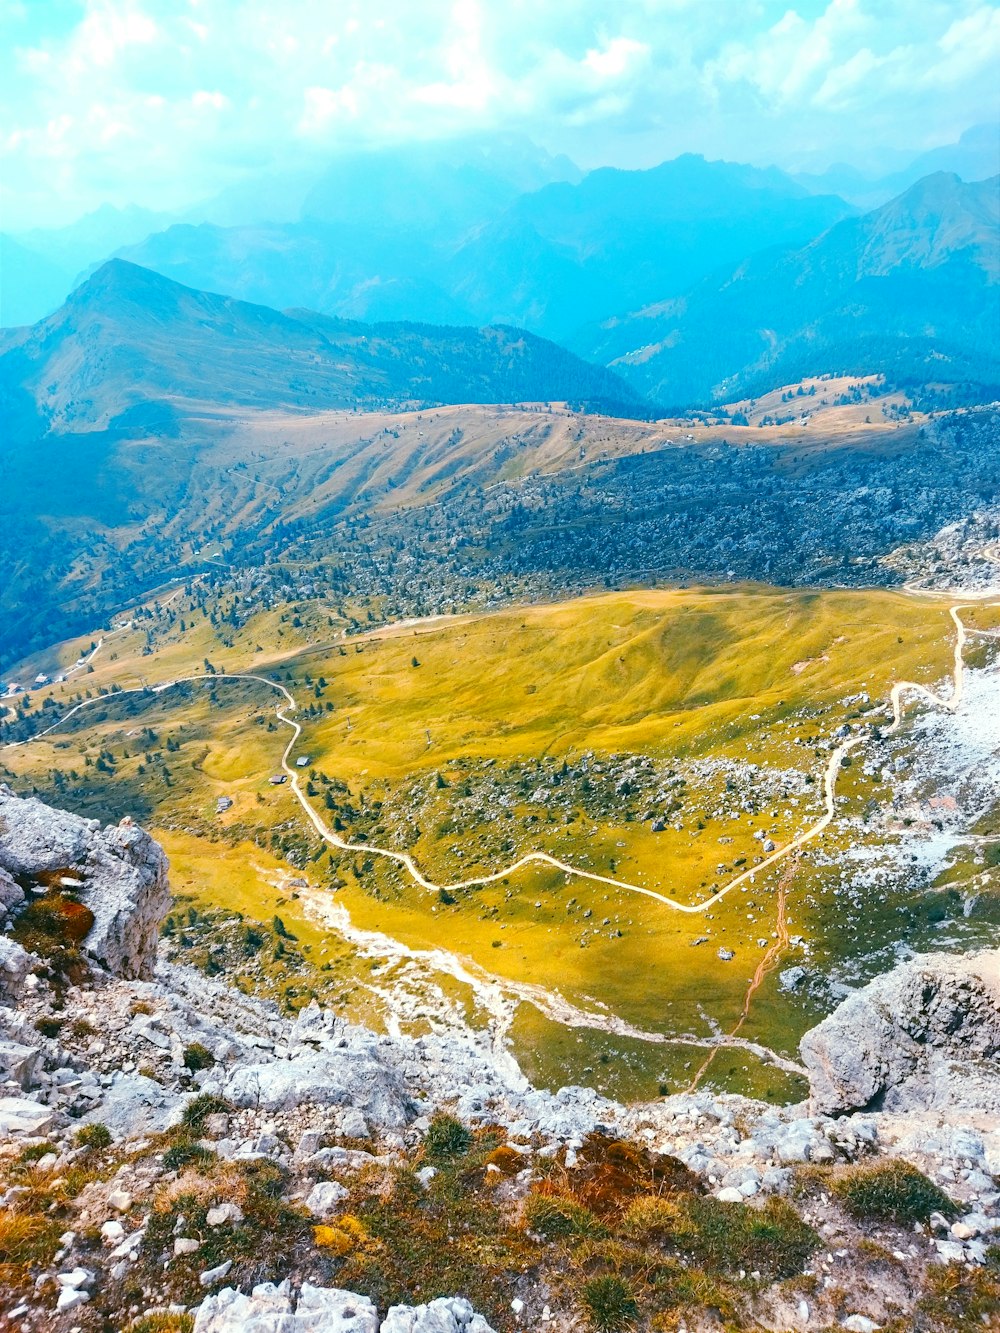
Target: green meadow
[659,737]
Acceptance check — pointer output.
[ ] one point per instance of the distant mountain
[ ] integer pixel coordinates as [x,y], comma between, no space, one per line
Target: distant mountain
[39,268]
[129,338]
[975,157]
[419,236]
[911,290]
[616,238]
[30,284]
[433,187]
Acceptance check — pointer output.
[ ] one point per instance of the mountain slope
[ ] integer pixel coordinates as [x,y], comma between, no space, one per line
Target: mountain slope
[910,290]
[129,337]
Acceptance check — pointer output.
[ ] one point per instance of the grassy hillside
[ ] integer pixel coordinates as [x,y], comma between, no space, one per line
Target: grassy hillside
[655,737]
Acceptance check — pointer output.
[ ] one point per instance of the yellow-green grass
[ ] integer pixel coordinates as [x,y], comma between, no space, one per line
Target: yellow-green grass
[737,674]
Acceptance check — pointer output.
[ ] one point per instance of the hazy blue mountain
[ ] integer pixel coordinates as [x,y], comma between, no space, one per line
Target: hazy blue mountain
[911,289]
[132,348]
[442,188]
[30,284]
[568,253]
[423,236]
[975,157]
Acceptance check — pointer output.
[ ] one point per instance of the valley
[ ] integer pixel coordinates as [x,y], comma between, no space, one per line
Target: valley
[674,741]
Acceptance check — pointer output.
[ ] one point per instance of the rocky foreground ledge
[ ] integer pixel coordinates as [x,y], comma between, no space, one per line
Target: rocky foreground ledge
[175,1154]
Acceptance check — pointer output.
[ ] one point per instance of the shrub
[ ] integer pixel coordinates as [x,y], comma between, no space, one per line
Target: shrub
[554,1217]
[729,1236]
[200,1108]
[609,1302]
[49,1027]
[653,1218]
[93,1136]
[185,1154]
[198,1057]
[446,1137]
[162,1322]
[891,1191]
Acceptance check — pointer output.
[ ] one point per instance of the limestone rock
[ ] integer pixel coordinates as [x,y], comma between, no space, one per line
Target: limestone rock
[15,964]
[325,1198]
[923,1036]
[440,1316]
[21,1115]
[134,1105]
[271,1309]
[120,873]
[344,1077]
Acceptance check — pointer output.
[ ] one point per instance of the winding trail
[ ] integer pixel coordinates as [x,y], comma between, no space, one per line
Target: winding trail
[403,859]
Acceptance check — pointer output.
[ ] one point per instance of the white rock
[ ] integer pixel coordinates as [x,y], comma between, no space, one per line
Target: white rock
[440,1316]
[186,1245]
[271,1309]
[859,1323]
[70,1298]
[112,1232]
[21,1115]
[325,1198]
[730,1195]
[120,1200]
[962,1231]
[213,1275]
[223,1213]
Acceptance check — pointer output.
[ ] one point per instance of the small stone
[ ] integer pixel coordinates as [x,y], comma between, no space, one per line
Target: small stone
[426,1174]
[216,1125]
[326,1198]
[185,1245]
[225,1212]
[859,1323]
[353,1124]
[120,1200]
[962,1231]
[213,1275]
[517,1305]
[730,1195]
[70,1298]
[112,1231]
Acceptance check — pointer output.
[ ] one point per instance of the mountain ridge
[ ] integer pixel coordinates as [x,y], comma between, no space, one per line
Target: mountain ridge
[128,335]
[908,290]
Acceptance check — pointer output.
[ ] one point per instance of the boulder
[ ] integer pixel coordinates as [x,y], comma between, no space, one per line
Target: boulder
[15,964]
[17,1062]
[21,1115]
[119,873]
[325,1199]
[134,1106]
[440,1316]
[342,1077]
[271,1309]
[11,893]
[924,1036]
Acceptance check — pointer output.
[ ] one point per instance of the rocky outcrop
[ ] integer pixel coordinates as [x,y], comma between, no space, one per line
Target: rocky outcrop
[119,873]
[276,1309]
[924,1036]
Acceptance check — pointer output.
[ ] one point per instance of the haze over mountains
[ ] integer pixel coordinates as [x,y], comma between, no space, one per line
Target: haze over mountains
[128,337]
[909,290]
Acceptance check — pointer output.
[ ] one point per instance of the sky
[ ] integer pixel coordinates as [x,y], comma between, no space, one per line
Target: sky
[165,102]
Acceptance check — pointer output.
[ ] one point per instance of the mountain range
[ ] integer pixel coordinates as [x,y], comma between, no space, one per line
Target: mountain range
[128,338]
[910,290]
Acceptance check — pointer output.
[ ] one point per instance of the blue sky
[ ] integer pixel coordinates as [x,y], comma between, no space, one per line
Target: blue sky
[163,102]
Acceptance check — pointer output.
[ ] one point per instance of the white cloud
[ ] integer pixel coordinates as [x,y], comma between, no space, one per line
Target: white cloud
[164,100]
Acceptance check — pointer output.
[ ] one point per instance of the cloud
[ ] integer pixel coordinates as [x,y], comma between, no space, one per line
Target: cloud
[165,101]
